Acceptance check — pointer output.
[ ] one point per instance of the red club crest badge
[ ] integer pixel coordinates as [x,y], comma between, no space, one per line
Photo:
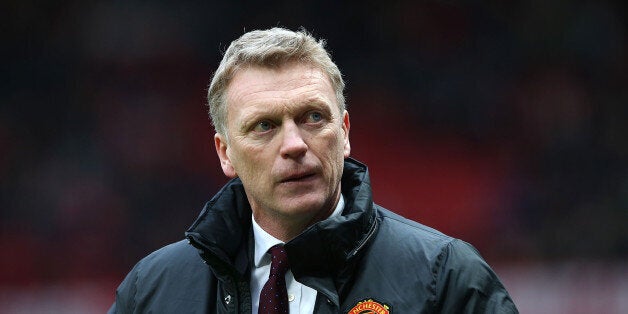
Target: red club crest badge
[369,306]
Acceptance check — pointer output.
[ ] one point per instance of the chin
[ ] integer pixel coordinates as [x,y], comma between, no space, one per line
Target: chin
[309,204]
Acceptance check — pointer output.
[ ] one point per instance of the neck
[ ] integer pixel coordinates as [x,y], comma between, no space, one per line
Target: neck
[285,228]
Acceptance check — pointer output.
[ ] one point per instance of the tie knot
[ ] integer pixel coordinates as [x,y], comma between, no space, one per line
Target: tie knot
[279,260]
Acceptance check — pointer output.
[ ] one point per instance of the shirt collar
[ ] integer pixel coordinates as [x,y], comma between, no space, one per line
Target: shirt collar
[264,241]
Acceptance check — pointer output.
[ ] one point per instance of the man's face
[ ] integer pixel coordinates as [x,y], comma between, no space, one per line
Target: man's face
[287,142]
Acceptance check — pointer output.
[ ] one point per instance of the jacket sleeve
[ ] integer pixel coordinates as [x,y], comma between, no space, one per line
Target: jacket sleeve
[466,284]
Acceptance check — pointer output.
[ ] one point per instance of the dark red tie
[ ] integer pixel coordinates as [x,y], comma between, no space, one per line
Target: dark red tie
[274,296]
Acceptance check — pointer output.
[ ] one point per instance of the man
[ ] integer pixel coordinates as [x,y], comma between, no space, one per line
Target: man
[296,229]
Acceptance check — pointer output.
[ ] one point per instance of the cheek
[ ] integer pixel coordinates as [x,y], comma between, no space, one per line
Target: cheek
[333,153]
[250,163]
[337,145]
[239,161]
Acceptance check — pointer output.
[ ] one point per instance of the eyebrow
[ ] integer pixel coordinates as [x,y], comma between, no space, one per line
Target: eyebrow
[268,112]
[253,115]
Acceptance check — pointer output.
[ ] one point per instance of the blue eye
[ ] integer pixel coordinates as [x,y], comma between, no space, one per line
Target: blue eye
[263,126]
[314,116]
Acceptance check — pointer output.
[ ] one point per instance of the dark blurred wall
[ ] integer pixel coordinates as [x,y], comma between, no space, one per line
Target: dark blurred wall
[503,124]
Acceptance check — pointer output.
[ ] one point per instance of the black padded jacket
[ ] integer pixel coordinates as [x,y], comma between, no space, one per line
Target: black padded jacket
[367,259]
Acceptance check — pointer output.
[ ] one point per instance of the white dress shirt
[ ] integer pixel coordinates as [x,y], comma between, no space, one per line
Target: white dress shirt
[301,297]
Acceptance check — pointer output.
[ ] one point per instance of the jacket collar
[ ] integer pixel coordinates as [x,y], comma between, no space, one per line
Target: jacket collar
[331,242]
[223,231]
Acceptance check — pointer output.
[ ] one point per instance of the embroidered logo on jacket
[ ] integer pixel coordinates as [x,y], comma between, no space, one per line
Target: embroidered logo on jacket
[370,306]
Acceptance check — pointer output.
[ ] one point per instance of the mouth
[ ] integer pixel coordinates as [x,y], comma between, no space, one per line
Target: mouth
[298,177]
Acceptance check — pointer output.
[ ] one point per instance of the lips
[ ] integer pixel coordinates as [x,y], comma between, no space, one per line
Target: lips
[301,176]
[298,174]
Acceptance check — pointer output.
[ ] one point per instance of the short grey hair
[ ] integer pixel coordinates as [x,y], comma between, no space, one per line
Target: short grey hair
[269,48]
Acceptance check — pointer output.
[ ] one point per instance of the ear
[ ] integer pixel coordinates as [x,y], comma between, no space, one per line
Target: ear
[222,149]
[346,125]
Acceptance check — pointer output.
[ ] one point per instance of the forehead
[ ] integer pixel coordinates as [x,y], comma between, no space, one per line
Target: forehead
[290,84]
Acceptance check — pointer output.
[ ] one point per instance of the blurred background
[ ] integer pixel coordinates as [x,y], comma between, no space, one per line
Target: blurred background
[504,123]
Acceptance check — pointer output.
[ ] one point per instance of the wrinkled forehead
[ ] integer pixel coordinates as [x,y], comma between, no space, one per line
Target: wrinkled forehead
[297,81]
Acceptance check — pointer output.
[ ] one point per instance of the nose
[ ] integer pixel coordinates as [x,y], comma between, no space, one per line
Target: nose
[292,144]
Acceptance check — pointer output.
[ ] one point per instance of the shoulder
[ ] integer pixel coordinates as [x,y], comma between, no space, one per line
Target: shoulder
[175,254]
[408,235]
[410,251]
[166,274]
[176,260]
[398,229]
[460,279]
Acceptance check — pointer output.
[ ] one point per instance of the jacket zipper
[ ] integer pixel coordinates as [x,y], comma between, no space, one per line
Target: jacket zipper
[368,237]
